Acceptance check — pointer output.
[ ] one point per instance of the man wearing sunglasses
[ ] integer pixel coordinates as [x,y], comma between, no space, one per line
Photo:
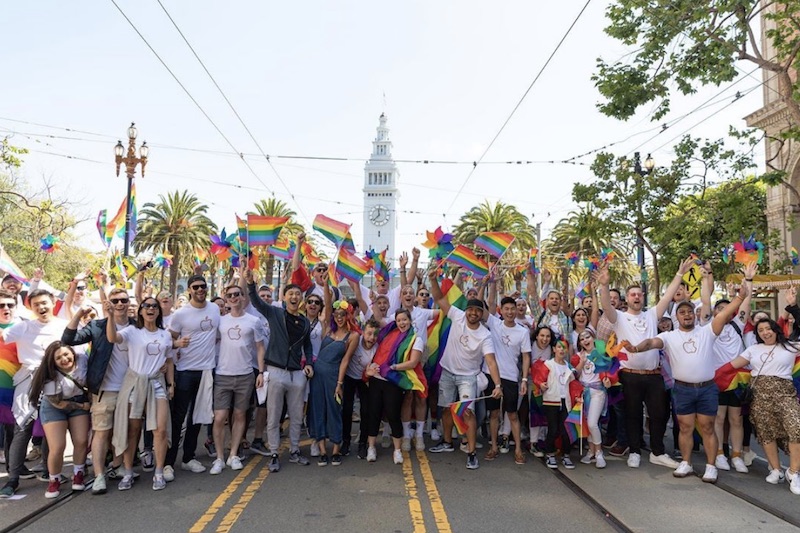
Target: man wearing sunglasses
[199,322]
[107,366]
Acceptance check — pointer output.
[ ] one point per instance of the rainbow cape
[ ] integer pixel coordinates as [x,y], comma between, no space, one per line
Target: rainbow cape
[264,230]
[494,242]
[458,410]
[466,258]
[395,348]
[575,423]
[439,331]
[9,364]
[350,266]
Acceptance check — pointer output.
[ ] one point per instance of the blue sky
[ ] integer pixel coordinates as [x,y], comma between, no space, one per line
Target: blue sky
[309,79]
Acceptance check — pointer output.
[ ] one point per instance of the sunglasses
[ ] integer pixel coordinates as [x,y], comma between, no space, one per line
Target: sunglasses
[313,302]
[233,294]
[321,269]
[199,287]
[81,288]
[7,305]
[116,301]
[149,306]
[424,294]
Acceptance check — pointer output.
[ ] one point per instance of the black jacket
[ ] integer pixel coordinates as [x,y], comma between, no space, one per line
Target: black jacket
[100,355]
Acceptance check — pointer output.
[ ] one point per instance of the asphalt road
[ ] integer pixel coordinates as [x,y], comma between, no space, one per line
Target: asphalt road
[430,492]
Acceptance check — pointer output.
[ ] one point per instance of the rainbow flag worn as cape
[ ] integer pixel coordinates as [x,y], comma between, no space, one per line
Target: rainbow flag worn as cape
[394,348]
[466,258]
[439,331]
[9,364]
[350,266]
[458,410]
[575,423]
[494,242]
[264,230]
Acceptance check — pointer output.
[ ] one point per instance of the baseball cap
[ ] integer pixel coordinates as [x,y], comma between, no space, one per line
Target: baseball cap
[474,302]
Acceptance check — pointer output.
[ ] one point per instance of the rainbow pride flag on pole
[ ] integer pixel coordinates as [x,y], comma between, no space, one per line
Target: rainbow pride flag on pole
[380,266]
[241,225]
[9,364]
[350,266]
[264,230]
[575,423]
[335,231]
[283,249]
[466,258]
[458,410]
[439,331]
[395,348]
[494,242]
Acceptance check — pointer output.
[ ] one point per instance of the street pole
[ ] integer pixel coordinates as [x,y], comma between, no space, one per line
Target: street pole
[130,160]
[649,164]
[128,214]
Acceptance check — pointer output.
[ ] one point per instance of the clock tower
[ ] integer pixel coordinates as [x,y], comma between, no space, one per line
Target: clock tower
[381,194]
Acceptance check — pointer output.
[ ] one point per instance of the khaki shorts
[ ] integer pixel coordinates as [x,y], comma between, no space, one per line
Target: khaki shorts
[103,406]
[233,391]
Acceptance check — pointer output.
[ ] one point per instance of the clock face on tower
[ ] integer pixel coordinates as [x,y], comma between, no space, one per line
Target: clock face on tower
[379,215]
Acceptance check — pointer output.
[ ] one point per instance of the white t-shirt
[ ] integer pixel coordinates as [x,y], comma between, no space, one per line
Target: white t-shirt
[361,358]
[316,337]
[562,374]
[117,365]
[394,300]
[466,348]
[729,343]
[33,337]
[200,325]
[418,345]
[419,321]
[250,310]
[147,350]
[691,353]
[509,345]
[776,360]
[66,387]
[237,344]
[527,321]
[635,329]
[589,373]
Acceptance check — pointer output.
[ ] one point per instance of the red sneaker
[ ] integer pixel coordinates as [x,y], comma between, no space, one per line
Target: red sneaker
[53,489]
[77,481]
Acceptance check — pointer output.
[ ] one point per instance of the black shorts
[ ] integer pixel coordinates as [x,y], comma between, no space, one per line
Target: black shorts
[510,399]
[730,399]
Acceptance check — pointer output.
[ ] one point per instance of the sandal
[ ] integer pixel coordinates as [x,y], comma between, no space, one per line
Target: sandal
[491,455]
[520,459]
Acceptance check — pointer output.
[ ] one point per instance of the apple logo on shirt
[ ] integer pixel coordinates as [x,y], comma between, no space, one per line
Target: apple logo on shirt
[153,348]
[506,340]
[689,346]
[206,324]
[234,333]
[588,367]
[639,324]
[464,340]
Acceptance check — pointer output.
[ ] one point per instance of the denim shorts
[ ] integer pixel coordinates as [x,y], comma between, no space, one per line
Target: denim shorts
[453,387]
[48,413]
[691,400]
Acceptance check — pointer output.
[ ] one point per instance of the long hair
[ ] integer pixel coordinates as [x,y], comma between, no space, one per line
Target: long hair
[159,316]
[350,322]
[780,337]
[47,371]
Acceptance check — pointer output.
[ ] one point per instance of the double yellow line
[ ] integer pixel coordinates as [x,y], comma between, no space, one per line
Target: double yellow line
[414,504]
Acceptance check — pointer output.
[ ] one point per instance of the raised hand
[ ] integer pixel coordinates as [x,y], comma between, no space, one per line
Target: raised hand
[403,260]
[686,266]
[790,295]
[750,270]
[301,238]
[602,275]
[415,254]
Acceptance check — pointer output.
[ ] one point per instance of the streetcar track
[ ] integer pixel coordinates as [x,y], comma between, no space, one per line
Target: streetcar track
[37,514]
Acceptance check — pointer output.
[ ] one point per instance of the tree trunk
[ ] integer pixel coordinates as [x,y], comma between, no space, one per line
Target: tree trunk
[269,266]
[173,274]
[656,277]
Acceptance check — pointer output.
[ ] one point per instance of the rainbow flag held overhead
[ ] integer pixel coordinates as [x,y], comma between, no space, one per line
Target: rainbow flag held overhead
[494,242]
[116,226]
[241,226]
[533,256]
[466,258]
[458,410]
[335,231]
[134,214]
[102,224]
[439,332]
[348,244]
[283,249]
[575,423]
[350,266]
[394,348]
[9,364]
[264,230]
[379,265]
[310,257]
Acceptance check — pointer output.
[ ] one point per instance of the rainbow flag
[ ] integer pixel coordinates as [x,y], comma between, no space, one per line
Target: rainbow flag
[134,214]
[728,378]
[795,256]
[283,249]
[796,375]
[466,258]
[309,255]
[575,423]
[380,266]
[395,348]
[494,242]
[264,230]
[102,224]
[533,255]
[348,243]
[350,266]
[458,410]
[439,331]
[241,225]
[335,231]
[9,364]
[117,224]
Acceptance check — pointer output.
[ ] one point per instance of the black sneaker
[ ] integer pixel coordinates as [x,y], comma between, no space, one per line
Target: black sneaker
[336,460]
[362,450]
[26,473]
[257,446]
[274,463]
[8,489]
[210,448]
[345,451]
[472,461]
[442,447]
[551,462]
[322,460]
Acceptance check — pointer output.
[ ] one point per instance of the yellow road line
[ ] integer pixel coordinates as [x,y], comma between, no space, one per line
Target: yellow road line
[414,506]
[215,507]
[439,515]
[236,511]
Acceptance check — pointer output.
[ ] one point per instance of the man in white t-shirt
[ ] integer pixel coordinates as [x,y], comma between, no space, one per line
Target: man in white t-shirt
[241,339]
[198,321]
[354,382]
[468,345]
[690,350]
[640,373]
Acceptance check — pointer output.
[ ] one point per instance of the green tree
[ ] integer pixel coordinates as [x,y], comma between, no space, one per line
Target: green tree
[273,207]
[177,224]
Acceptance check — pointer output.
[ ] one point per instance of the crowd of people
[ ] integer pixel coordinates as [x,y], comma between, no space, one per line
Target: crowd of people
[126,376]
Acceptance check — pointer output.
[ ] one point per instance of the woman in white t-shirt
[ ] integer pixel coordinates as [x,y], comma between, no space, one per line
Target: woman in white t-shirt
[775,411]
[596,387]
[60,381]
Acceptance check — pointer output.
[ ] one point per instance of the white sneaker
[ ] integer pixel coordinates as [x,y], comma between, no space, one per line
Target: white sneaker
[775,476]
[314,449]
[235,462]
[738,465]
[169,474]
[588,458]
[397,456]
[790,475]
[435,435]
[663,460]
[634,459]
[721,462]
[748,457]
[419,443]
[683,470]
[193,466]
[710,475]
[600,461]
[794,486]
[372,454]
[406,444]
[217,467]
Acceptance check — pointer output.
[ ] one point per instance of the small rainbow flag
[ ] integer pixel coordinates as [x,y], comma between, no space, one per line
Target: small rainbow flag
[241,226]
[533,255]
[350,266]
[101,225]
[264,230]
[9,364]
[728,378]
[439,331]
[283,249]
[335,231]
[458,410]
[464,257]
[494,242]
[795,257]
[117,224]
[380,266]
[573,258]
[575,423]
[348,244]
[395,348]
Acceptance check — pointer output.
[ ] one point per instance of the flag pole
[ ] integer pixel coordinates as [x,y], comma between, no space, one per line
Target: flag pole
[581,432]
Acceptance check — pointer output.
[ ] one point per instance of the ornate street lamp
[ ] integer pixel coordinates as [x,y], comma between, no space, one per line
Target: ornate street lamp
[130,160]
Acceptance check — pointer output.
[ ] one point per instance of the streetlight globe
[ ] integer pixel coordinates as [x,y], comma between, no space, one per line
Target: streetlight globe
[132,131]
[649,163]
[119,150]
[144,150]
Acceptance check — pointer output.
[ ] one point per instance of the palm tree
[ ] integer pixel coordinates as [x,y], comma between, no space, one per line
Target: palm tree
[176,225]
[273,207]
[498,217]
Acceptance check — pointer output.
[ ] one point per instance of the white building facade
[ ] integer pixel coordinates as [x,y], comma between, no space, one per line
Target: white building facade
[381,195]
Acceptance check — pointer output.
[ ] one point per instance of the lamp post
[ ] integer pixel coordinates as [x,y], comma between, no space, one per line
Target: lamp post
[649,165]
[130,161]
